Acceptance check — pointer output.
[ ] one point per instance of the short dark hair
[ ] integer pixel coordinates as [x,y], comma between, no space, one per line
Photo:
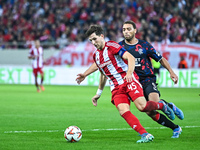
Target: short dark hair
[94,29]
[130,22]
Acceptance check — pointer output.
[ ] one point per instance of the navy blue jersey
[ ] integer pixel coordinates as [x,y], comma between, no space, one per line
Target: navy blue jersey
[143,51]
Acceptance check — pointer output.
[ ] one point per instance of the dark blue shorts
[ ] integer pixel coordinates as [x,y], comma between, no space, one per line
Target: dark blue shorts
[149,87]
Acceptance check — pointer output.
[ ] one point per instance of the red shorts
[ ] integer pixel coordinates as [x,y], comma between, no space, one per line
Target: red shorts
[36,70]
[126,92]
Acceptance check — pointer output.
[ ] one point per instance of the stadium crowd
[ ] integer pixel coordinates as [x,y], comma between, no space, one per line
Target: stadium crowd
[59,22]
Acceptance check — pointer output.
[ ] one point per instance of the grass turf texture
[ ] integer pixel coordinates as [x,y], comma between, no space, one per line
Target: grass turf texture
[44,117]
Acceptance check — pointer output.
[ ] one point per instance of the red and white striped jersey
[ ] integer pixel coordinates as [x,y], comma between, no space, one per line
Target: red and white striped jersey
[111,64]
[38,61]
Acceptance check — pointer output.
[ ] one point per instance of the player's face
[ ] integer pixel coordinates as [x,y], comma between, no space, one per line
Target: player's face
[37,43]
[97,41]
[128,32]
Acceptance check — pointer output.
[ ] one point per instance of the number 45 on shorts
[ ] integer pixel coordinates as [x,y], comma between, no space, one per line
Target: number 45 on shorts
[132,86]
[134,89]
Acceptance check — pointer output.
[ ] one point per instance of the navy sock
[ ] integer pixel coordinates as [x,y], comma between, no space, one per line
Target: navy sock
[166,122]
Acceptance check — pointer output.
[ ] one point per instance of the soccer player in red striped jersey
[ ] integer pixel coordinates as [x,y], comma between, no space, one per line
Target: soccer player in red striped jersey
[110,59]
[36,54]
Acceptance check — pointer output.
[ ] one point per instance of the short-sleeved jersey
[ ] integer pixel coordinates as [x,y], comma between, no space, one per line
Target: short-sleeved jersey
[111,64]
[143,52]
[38,61]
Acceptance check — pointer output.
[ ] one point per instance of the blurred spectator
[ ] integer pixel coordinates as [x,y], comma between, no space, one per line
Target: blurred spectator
[158,21]
[63,40]
[182,64]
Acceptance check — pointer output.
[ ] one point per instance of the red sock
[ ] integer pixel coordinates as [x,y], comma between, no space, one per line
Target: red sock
[134,122]
[152,106]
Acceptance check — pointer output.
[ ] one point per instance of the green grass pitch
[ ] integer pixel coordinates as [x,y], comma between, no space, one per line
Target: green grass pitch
[36,121]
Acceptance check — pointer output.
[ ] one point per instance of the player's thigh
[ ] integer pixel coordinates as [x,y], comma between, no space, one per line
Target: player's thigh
[41,71]
[120,98]
[150,89]
[35,72]
[123,107]
[134,90]
[122,102]
[154,97]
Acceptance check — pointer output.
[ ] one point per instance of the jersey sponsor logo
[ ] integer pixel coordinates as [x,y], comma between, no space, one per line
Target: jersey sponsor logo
[105,64]
[137,62]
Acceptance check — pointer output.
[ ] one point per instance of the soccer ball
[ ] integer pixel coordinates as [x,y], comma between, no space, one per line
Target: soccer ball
[73,134]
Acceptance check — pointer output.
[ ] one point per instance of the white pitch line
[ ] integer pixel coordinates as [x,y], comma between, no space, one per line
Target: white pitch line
[114,129]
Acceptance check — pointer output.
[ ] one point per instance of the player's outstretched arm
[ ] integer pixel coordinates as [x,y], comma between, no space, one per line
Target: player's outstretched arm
[102,82]
[94,100]
[32,57]
[131,66]
[166,65]
[82,76]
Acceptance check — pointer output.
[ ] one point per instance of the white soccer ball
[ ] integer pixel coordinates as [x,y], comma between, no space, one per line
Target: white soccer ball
[73,134]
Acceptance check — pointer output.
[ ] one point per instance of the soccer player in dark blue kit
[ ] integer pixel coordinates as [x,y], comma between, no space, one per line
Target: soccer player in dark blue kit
[143,52]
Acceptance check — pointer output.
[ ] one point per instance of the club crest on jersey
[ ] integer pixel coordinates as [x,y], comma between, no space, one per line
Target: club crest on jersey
[140,51]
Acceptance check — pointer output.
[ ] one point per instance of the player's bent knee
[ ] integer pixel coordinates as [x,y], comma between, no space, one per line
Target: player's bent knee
[154,97]
[140,103]
[141,108]
[123,112]
[123,108]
